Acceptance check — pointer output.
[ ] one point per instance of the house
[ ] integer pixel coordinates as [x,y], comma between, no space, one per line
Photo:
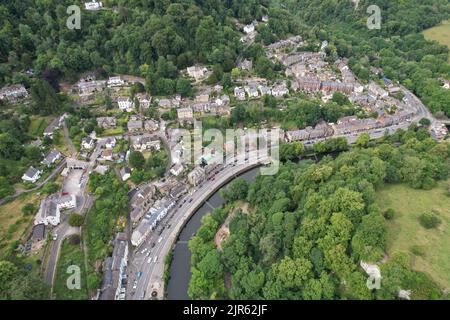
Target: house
[101,169]
[151,125]
[87,143]
[110,142]
[125,173]
[280,90]
[185,113]
[125,104]
[251,91]
[178,190]
[220,109]
[177,169]
[196,176]
[32,175]
[94,5]
[264,90]
[145,143]
[249,28]
[309,84]
[134,126]
[164,103]
[13,93]
[297,135]
[222,100]
[144,100]
[51,157]
[141,201]
[115,82]
[377,91]
[202,98]
[89,87]
[55,124]
[49,213]
[66,202]
[246,65]
[107,155]
[239,93]
[265,18]
[197,72]
[106,122]
[37,236]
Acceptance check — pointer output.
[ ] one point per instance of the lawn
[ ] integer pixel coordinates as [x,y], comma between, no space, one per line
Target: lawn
[13,223]
[404,231]
[112,132]
[37,126]
[440,33]
[70,255]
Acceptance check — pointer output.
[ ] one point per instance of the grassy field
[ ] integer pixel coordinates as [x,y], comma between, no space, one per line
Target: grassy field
[70,254]
[405,232]
[440,33]
[112,132]
[38,126]
[13,223]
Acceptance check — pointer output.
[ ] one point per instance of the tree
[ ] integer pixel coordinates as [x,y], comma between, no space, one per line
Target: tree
[429,220]
[28,209]
[136,160]
[76,220]
[363,140]
[50,187]
[236,190]
[425,122]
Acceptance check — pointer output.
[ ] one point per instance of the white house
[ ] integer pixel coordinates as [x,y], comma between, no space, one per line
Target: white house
[125,104]
[222,100]
[32,175]
[197,72]
[279,91]
[94,5]
[48,213]
[249,28]
[107,155]
[115,82]
[251,91]
[177,169]
[67,202]
[51,157]
[110,142]
[125,173]
[144,100]
[87,143]
[239,93]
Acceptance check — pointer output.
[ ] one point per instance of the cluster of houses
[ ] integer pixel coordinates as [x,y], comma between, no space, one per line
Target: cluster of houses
[255,89]
[32,175]
[136,124]
[128,104]
[250,30]
[13,93]
[89,85]
[50,209]
[198,72]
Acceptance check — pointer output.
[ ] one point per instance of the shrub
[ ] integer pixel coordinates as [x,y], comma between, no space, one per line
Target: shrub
[389,214]
[74,239]
[76,220]
[429,220]
[417,250]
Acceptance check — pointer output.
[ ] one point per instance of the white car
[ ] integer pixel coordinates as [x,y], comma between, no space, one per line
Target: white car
[160,239]
[156,259]
[149,260]
[147,254]
[55,236]
[135,284]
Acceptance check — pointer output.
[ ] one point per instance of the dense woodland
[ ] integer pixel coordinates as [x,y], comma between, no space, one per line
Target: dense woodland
[308,227]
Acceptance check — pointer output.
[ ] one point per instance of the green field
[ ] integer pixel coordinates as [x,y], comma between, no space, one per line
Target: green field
[440,33]
[70,254]
[404,231]
[38,126]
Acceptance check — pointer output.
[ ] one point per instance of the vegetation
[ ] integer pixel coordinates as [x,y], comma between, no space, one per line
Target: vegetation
[311,224]
[404,231]
[439,33]
[145,170]
[76,220]
[70,255]
[102,220]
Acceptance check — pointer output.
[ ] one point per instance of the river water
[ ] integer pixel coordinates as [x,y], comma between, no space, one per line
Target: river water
[180,269]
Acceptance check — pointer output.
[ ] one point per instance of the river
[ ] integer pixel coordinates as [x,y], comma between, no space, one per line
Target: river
[180,268]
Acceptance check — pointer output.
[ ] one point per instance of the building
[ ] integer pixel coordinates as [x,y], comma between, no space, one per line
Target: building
[106,122]
[252,92]
[239,93]
[89,87]
[264,90]
[185,113]
[141,202]
[93,6]
[151,125]
[13,93]
[110,142]
[125,104]
[196,176]
[125,173]
[376,91]
[55,124]
[178,190]
[32,175]
[66,202]
[134,126]
[333,86]
[51,157]
[280,90]
[297,135]
[115,82]
[164,103]
[144,99]
[87,143]
[309,84]
[222,100]
[142,143]
[197,72]
[107,155]
[37,236]
[177,169]
[49,213]
[246,65]
[202,98]
[249,28]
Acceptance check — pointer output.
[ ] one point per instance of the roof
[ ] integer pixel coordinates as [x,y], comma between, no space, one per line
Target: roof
[38,232]
[31,172]
[51,156]
[125,170]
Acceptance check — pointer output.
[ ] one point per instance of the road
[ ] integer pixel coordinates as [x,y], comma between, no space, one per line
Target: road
[152,273]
